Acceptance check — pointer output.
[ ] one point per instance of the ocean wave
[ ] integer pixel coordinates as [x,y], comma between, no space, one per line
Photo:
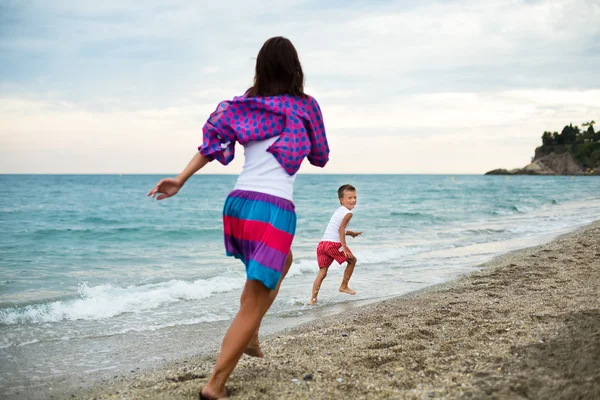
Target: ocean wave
[364,256]
[140,327]
[101,221]
[379,256]
[512,210]
[108,301]
[151,328]
[418,217]
[411,214]
[303,267]
[484,231]
[120,233]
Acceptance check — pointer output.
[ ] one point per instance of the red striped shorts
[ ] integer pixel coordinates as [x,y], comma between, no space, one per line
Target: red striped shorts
[329,251]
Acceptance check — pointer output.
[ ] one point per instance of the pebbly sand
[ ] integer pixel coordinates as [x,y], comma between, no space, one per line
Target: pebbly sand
[525,326]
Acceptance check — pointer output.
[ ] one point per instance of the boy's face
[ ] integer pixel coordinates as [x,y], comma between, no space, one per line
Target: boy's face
[349,200]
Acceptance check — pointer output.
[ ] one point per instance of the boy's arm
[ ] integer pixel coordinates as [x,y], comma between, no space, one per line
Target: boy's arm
[342,232]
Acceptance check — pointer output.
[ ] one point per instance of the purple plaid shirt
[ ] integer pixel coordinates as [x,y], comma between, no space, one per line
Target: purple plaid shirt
[296,120]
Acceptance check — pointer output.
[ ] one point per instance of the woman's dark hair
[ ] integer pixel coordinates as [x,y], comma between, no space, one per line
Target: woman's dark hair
[278,70]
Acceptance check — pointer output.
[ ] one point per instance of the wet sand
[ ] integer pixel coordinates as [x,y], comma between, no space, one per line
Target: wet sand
[527,325]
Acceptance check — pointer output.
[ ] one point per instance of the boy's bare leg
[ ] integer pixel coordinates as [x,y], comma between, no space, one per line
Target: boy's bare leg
[253,349]
[317,285]
[347,275]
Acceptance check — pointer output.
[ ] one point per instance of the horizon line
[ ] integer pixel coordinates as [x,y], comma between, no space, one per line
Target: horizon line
[219,174]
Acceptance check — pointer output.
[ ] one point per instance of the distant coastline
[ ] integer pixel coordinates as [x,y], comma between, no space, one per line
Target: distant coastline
[574,151]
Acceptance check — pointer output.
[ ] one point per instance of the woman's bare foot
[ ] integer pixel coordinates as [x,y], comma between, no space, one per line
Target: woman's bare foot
[312,301]
[254,350]
[347,290]
[207,393]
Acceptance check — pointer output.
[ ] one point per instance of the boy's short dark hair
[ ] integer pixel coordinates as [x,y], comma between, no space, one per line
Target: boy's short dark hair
[345,188]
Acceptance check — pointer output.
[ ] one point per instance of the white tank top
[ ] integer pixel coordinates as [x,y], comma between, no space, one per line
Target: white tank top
[263,173]
[332,232]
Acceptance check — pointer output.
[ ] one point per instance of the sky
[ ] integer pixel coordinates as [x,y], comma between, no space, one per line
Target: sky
[407,87]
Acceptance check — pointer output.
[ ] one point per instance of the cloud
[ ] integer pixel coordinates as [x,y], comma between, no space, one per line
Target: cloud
[388,46]
[434,133]
[90,80]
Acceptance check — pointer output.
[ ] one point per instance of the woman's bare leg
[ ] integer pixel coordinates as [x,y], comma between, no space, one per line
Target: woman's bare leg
[253,348]
[256,301]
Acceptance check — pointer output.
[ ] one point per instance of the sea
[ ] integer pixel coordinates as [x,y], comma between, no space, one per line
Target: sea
[98,280]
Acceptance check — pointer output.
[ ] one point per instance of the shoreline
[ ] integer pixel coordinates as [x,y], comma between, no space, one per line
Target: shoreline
[527,324]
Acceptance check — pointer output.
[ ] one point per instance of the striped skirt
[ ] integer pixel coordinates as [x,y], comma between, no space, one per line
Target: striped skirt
[259,229]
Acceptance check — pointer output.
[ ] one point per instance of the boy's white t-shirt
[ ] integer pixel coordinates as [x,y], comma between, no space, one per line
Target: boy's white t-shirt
[332,233]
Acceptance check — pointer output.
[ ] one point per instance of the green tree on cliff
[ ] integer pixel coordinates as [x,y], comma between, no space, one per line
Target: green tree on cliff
[589,134]
[547,138]
[569,134]
[557,138]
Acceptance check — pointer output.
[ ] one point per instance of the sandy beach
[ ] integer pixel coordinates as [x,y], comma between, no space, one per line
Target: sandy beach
[527,325]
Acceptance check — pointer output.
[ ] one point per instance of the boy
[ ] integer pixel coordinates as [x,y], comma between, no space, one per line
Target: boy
[333,245]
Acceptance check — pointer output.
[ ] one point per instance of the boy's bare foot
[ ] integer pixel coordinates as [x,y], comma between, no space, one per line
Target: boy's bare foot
[312,301]
[253,350]
[347,290]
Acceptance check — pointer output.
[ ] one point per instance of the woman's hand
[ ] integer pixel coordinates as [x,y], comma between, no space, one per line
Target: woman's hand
[166,187]
[170,186]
